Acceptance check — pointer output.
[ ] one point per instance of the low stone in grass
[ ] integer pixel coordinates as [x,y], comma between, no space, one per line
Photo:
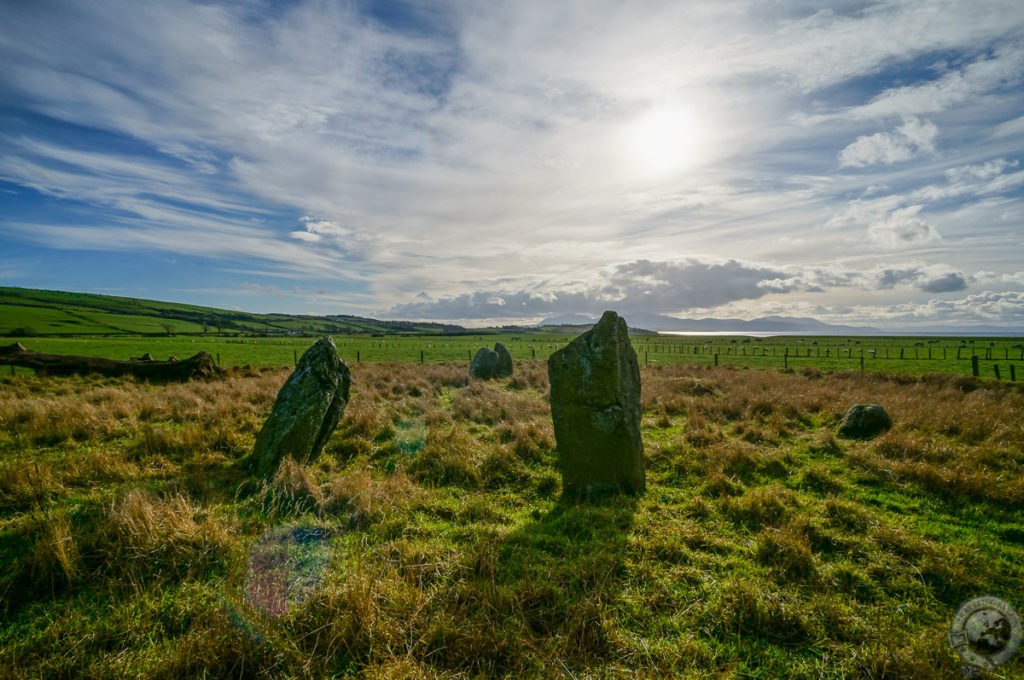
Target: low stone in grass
[484,363]
[596,409]
[864,421]
[308,408]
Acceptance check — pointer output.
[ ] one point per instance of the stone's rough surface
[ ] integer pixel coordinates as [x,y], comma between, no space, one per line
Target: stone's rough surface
[596,409]
[504,367]
[864,421]
[308,408]
[484,363]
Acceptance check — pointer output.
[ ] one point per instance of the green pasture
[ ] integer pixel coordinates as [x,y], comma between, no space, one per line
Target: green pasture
[915,356]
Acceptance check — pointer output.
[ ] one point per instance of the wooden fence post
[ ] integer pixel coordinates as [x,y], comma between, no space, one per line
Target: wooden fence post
[996,366]
[716,358]
[421,356]
[974,365]
[1013,373]
[295,357]
[218,359]
[357,356]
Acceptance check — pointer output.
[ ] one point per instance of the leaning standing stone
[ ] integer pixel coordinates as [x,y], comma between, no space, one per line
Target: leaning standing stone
[596,409]
[308,408]
[504,367]
[485,361]
[864,421]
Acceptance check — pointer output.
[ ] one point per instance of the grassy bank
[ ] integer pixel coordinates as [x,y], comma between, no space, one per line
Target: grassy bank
[429,540]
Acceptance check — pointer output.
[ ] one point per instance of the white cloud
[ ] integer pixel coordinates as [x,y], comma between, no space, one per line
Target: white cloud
[1009,128]
[957,85]
[912,138]
[901,229]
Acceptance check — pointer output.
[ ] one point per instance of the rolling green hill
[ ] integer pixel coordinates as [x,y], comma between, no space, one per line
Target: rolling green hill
[30,312]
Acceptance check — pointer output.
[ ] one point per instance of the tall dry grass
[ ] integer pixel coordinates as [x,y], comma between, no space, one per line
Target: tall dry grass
[454,558]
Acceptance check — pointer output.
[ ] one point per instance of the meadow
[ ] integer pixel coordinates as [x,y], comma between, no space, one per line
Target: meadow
[429,540]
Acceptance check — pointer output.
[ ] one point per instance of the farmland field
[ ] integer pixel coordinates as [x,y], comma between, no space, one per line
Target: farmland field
[434,544]
[889,354]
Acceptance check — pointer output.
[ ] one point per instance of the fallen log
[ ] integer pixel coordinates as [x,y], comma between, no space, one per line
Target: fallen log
[200,365]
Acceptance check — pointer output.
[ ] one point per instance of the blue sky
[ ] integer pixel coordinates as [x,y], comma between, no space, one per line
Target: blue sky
[505,162]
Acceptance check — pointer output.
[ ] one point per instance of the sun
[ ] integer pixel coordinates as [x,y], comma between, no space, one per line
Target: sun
[663,141]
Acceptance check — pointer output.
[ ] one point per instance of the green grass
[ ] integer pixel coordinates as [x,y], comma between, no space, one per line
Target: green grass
[436,544]
[826,354]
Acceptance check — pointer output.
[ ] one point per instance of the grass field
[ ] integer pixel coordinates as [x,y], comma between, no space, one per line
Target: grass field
[429,539]
[890,354]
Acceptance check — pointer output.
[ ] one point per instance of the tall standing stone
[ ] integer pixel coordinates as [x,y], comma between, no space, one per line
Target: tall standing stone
[308,408]
[504,367]
[596,409]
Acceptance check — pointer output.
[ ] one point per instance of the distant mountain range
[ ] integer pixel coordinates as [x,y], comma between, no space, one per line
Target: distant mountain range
[776,324]
[766,324]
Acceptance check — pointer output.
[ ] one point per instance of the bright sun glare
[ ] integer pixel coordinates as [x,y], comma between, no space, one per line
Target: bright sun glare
[663,141]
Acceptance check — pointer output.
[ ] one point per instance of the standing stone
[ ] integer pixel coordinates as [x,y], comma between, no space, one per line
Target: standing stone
[864,421]
[485,361]
[596,409]
[504,366]
[307,409]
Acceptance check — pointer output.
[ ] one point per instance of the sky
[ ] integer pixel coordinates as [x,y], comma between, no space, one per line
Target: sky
[505,162]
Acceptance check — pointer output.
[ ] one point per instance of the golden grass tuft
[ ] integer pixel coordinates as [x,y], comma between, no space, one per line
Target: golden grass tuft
[54,555]
[367,500]
[144,531]
[290,491]
[762,506]
[787,551]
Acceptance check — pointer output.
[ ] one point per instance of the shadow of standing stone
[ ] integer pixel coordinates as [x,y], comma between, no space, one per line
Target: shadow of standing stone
[596,409]
[308,408]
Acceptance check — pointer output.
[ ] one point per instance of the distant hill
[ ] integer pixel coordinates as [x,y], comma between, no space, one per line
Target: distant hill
[31,312]
[569,320]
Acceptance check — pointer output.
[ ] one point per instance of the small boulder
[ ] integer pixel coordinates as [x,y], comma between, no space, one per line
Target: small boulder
[596,410]
[864,421]
[504,366]
[308,408]
[484,364]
